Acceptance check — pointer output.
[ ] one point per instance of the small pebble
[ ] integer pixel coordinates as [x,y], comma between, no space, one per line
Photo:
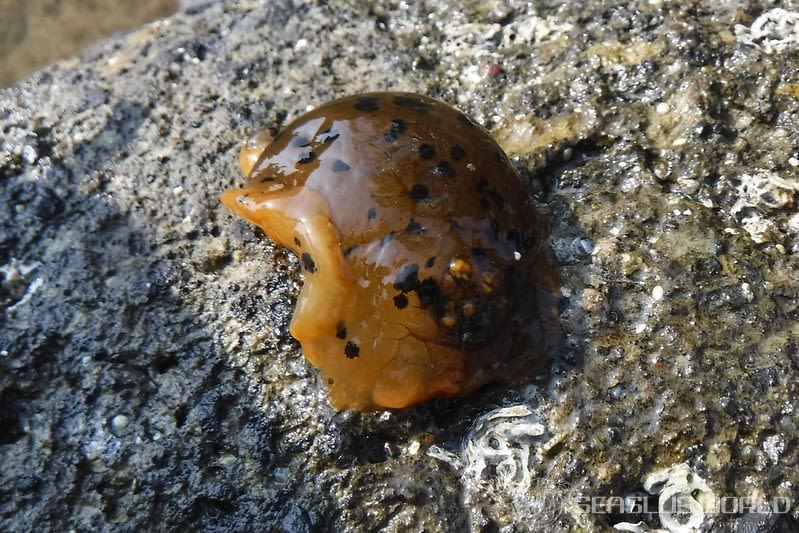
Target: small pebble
[120,422]
[414,447]
[657,293]
[227,460]
[746,290]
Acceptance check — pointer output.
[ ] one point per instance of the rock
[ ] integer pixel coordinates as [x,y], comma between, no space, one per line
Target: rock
[126,288]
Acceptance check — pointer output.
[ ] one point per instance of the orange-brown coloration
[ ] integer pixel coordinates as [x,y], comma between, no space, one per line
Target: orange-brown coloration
[426,269]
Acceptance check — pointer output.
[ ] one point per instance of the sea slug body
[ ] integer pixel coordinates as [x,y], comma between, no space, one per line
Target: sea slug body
[425,261]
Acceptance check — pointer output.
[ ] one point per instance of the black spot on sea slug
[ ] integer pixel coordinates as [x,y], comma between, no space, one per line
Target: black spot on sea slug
[457,152]
[430,262]
[414,227]
[327,136]
[341,330]
[301,142]
[340,166]
[372,213]
[419,192]
[443,168]
[401,301]
[417,104]
[429,293]
[427,151]
[297,242]
[408,278]
[308,263]
[352,350]
[306,157]
[367,104]
[397,128]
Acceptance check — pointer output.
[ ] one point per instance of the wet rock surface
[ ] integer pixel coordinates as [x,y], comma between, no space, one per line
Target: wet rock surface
[147,377]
